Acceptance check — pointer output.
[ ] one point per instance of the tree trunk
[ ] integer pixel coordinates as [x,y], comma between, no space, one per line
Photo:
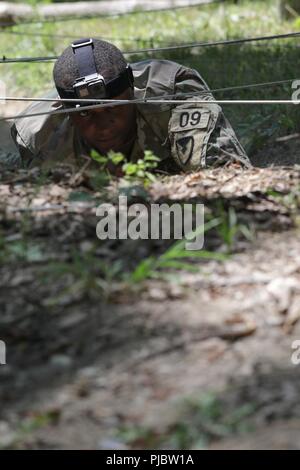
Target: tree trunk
[110,7]
[12,13]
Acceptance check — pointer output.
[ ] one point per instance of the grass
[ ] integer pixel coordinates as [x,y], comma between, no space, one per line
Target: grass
[176,258]
[230,229]
[93,276]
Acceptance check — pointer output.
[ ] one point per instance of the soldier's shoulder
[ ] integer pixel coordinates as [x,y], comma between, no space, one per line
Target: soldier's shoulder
[154,64]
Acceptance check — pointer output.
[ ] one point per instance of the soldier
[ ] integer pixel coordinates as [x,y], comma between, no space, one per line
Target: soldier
[185,136]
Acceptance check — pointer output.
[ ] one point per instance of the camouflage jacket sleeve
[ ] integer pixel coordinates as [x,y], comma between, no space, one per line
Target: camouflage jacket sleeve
[42,140]
[9,154]
[199,134]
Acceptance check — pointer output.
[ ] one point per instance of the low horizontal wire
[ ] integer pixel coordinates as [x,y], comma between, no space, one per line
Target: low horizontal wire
[209,91]
[255,85]
[228,42]
[146,101]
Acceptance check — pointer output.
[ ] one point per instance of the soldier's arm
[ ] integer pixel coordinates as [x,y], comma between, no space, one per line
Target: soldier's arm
[26,155]
[9,154]
[199,134]
[42,140]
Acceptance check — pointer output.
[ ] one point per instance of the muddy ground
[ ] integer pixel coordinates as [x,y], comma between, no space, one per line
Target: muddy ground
[191,359]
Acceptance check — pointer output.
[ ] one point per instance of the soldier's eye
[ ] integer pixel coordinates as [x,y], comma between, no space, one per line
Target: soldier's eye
[84,114]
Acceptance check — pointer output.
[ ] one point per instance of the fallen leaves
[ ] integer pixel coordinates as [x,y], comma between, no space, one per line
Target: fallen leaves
[238,326]
[227,183]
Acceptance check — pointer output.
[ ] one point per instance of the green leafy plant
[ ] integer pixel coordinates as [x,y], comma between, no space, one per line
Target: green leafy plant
[132,171]
[112,157]
[199,421]
[142,168]
[204,419]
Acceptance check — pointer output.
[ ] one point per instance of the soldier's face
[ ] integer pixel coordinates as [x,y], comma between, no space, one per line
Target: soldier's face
[111,128]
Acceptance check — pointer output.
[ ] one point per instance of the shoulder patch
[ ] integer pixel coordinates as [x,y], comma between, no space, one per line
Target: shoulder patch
[185,148]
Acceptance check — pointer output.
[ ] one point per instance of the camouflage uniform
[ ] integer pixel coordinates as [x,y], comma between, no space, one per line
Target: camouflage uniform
[188,136]
[9,154]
